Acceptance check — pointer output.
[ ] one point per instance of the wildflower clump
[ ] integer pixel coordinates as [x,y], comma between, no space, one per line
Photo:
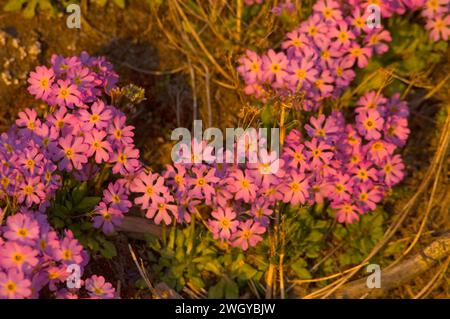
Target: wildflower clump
[318,58]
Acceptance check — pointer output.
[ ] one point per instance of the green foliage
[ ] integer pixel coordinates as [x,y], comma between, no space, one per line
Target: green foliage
[73,208]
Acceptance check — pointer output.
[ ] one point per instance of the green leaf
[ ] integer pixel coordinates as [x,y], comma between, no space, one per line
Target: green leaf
[301,272]
[87,204]
[247,272]
[314,236]
[79,192]
[217,291]
[231,290]
[108,249]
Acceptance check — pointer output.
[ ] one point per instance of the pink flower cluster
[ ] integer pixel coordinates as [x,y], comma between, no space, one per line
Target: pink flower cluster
[82,135]
[33,256]
[437,15]
[318,57]
[352,165]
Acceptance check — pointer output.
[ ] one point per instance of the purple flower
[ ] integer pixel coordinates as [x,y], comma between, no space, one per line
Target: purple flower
[108,218]
[392,171]
[116,195]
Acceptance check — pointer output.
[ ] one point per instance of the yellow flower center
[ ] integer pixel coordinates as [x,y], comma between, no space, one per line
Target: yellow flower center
[122,158]
[67,254]
[63,93]
[18,258]
[69,153]
[201,182]
[301,74]
[116,199]
[225,223]
[295,187]
[275,68]
[95,118]
[44,83]
[28,190]
[296,43]
[23,232]
[11,286]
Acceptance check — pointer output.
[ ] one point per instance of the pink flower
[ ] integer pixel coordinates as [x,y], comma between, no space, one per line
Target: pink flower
[14,285]
[359,54]
[295,43]
[367,196]
[41,82]
[98,146]
[248,234]
[274,67]
[126,160]
[225,223]
[28,119]
[295,189]
[373,40]
[152,188]
[159,211]
[21,228]
[117,196]
[250,67]
[369,124]
[329,9]
[393,170]
[99,118]
[319,152]
[31,191]
[70,251]
[439,27]
[346,212]
[342,35]
[73,153]
[341,188]
[20,257]
[242,185]
[119,132]
[98,288]
[201,184]
[66,94]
